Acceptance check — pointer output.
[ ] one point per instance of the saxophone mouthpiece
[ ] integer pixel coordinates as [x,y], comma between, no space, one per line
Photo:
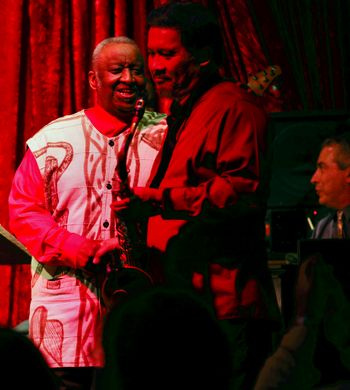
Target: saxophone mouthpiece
[138,113]
[140,107]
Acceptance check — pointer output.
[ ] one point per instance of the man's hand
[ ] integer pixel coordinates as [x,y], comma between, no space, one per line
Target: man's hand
[314,286]
[105,248]
[143,203]
[149,194]
[100,254]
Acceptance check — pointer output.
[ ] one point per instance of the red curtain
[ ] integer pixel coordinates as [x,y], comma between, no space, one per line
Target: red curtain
[45,59]
[45,53]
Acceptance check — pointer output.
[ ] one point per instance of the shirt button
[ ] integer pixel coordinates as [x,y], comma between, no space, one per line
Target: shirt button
[111,142]
[109,186]
[105,224]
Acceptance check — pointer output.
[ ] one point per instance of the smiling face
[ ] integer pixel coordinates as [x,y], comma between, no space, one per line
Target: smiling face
[332,184]
[174,70]
[118,78]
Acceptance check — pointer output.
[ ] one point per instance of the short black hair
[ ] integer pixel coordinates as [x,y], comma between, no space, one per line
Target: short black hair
[341,138]
[197,25]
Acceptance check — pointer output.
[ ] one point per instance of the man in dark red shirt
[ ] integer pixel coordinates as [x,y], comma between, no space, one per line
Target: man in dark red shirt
[208,186]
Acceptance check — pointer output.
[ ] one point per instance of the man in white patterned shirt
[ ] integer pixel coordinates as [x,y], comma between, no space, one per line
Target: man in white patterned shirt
[60,208]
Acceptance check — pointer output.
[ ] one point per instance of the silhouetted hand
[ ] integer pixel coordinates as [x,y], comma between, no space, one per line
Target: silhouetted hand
[319,298]
[143,203]
[315,283]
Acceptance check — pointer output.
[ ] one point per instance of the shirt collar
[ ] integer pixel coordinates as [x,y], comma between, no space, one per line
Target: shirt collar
[104,122]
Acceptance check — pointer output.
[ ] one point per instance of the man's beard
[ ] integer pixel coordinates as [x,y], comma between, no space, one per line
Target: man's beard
[165,93]
[180,88]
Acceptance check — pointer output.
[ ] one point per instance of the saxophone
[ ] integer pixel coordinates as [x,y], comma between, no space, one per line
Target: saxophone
[125,275]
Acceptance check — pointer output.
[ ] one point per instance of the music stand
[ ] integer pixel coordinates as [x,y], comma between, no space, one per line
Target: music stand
[11,250]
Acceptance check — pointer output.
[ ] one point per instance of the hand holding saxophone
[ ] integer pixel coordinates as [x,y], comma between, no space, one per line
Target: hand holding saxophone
[106,247]
[143,203]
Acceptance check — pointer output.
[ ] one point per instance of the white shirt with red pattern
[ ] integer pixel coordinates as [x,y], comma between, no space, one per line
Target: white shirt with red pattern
[59,201]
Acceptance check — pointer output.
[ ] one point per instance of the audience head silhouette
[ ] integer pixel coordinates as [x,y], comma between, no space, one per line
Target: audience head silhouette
[21,364]
[165,339]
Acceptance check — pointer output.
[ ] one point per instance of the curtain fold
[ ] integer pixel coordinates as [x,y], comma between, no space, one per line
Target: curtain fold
[315,38]
[12,18]
[45,58]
